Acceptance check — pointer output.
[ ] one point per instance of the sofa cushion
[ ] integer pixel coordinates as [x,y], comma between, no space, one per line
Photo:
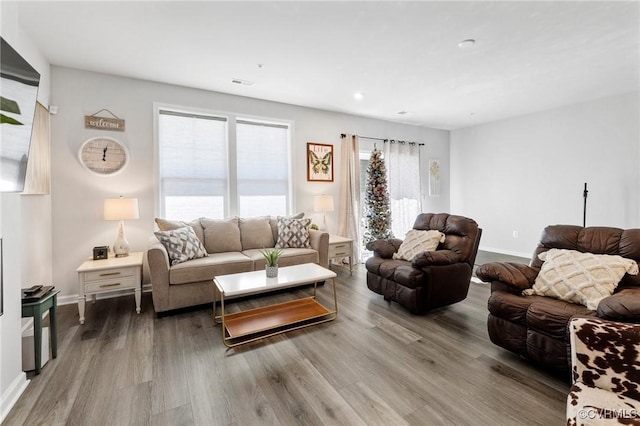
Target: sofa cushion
[416,242]
[408,276]
[182,244]
[577,277]
[551,316]
[208,267]
[511,307]
[255,233]
[169,225]
[221,235]
[293,233]
[289,256]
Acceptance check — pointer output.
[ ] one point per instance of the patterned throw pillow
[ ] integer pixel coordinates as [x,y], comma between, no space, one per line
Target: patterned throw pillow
[293,233]
[583,278]
[170,225]
[182,244]
[415,242]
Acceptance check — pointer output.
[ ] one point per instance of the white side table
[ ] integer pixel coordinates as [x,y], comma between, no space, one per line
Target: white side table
[106,275]
[340,247]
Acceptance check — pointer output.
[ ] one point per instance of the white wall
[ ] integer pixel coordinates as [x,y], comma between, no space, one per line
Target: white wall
[528,172]
[78,194]
[25,226]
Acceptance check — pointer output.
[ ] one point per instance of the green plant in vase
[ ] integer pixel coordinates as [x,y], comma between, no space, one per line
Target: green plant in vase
[271,256]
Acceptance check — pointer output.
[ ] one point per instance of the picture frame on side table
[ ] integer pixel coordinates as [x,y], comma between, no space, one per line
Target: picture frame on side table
[319,162]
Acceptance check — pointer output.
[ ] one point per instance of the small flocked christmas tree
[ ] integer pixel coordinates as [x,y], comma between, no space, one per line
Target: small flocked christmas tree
[376,202]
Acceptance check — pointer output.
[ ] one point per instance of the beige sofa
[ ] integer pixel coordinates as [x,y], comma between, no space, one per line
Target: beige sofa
[233,245]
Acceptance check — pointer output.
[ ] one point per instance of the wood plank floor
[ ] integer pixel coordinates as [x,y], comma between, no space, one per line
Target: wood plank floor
[375,365]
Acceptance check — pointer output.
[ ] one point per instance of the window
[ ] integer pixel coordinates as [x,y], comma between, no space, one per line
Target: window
[196,179]
[263,168]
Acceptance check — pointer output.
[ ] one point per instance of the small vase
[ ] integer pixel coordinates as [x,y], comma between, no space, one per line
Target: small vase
[272,271]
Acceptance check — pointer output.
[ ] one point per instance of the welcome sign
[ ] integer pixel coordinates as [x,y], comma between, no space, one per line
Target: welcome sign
[103,123]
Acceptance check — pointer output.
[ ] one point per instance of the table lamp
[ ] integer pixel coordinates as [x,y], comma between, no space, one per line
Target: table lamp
[323,204]
[121,209]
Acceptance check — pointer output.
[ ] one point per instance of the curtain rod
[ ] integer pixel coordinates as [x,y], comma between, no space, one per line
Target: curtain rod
[343,135]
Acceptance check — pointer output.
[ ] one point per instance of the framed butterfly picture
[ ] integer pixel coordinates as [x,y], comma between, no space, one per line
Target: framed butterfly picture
[319,162]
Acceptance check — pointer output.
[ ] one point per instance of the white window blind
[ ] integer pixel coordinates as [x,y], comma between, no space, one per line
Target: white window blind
[193,165]
[195,177]
[262,168]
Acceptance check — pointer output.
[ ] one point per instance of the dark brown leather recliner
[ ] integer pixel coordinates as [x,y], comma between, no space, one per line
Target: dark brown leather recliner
[536,327]
[433,278]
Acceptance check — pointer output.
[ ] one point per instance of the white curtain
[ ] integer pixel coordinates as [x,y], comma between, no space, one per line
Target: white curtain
[350,193]
[403,171]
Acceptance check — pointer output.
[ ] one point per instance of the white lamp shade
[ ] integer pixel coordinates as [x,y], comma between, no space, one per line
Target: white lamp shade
[121,209]
[323,203]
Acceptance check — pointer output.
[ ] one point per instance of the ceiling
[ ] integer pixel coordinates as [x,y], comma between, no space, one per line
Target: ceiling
[402,56]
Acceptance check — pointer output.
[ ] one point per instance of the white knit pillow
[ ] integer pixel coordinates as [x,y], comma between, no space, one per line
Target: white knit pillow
[583,278]
[415,242]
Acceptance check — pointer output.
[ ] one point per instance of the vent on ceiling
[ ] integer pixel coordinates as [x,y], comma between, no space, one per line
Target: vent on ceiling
[243,82]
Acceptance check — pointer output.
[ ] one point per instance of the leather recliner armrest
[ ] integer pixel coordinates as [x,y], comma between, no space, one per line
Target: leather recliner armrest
[384,248]
[517,275]
[622,306]
[434,258]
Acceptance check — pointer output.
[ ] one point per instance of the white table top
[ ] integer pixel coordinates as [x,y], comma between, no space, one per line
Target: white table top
[338,239]
[247,283]
[134,259]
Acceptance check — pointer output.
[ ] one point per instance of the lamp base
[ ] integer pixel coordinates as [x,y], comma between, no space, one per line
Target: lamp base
[121,246]
[324,226]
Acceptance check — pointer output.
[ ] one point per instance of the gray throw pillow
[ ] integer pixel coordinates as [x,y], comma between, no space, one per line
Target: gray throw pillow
[170,225]
[293,233]
[182,244]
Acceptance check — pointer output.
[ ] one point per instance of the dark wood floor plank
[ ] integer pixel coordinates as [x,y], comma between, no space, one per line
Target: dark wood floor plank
[376,364]
[169,387]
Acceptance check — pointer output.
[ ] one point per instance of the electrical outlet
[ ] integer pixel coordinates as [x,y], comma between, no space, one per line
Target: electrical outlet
[515,234]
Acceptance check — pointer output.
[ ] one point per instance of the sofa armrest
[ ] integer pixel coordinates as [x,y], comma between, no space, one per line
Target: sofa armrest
[384,248]
[158,260]
[437,257]
[320,242]
[604,355]
[621,306]
[516,275]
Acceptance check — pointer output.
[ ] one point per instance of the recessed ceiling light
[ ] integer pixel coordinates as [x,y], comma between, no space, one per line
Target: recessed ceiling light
[358,96]
[465,44]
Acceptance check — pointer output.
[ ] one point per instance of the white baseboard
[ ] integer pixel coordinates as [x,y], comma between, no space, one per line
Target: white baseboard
[73,298]
[11,395]
[508,252]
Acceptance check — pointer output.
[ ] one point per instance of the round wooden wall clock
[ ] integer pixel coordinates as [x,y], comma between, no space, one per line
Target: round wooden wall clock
[104,155]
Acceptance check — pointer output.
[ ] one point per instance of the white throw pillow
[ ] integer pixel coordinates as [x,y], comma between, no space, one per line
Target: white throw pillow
[415,242]
[583,278]
[182,244]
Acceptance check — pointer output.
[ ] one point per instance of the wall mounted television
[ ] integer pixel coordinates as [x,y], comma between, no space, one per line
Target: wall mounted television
[19,83]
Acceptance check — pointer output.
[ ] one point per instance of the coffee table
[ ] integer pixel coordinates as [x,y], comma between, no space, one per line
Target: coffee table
[254,324]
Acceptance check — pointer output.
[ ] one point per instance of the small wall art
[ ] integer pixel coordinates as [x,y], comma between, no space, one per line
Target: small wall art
[434,178]
[319,162]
